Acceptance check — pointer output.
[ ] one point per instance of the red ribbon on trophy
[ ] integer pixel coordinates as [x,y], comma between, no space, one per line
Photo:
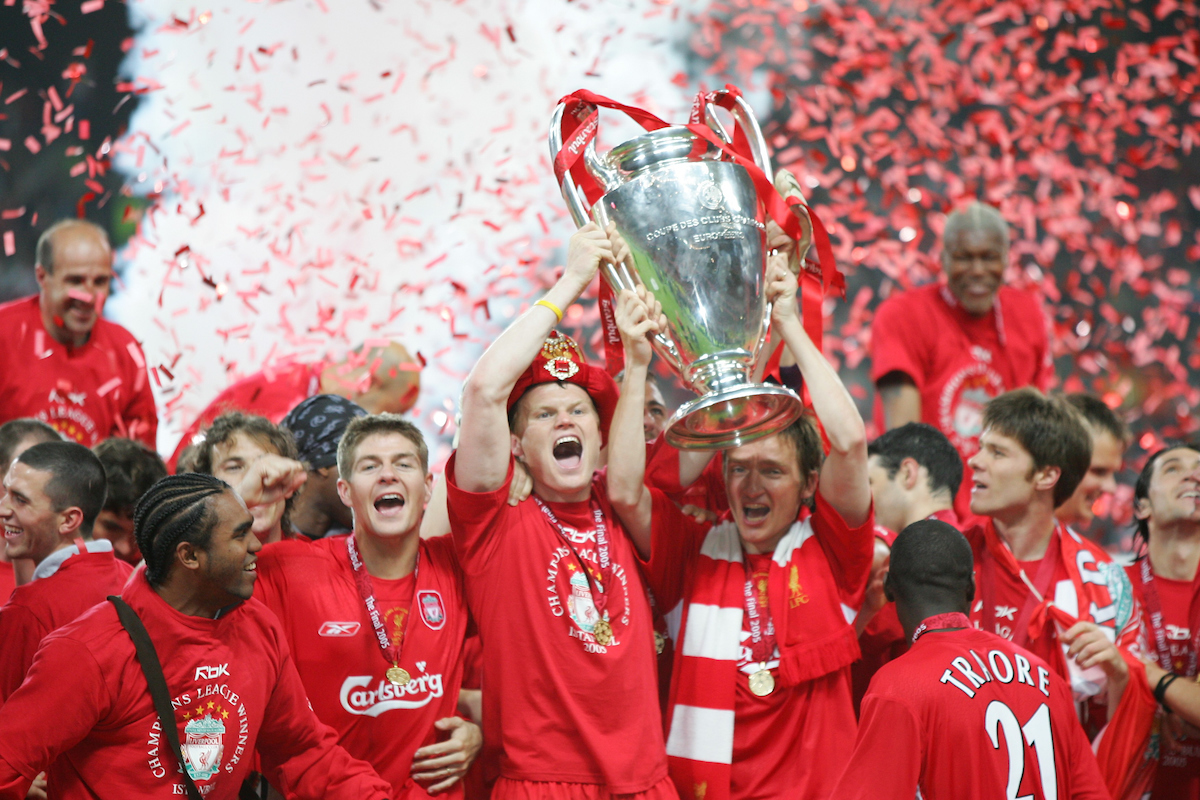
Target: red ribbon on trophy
[578,130]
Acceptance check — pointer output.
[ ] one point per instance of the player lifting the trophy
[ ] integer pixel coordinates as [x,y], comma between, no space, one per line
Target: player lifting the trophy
[553,582]
[760,695]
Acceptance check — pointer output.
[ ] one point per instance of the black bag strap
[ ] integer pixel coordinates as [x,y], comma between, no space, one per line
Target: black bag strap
[152,669]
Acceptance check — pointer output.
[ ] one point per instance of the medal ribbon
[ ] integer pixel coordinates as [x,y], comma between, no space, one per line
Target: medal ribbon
[997,551]
[940,622]
[1155,613]
[762,638]
[391,652]
[599,591]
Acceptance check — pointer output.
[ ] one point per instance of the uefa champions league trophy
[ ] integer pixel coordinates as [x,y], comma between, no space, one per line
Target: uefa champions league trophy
[690,216]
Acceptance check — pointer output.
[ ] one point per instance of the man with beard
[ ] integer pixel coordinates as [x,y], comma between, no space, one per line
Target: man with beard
[317,425]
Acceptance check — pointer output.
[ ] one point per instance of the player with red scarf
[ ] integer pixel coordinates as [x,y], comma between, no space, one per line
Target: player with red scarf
[760,693]
[964,713]
[1040,584]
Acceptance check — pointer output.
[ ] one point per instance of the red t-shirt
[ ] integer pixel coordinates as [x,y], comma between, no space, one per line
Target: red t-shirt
[565,707]
[311,588]
[44,605]
[1178,776]
[271,393]
[794,741]
[965,714]
[959,361]
[84,713]
[87,393]
[8,579]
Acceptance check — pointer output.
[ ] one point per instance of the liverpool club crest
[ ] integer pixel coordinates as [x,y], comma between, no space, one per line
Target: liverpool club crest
[204,747]
[433,612]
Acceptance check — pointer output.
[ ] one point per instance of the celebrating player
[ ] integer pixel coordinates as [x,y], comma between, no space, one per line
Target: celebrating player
[53,492]
[377,618]
[1036,576]
[1167,506]
[964,713]
[227,667]
[760,695]
[553,582]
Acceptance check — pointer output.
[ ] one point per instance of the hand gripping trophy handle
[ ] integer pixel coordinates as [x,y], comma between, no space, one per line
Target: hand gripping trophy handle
[689,214]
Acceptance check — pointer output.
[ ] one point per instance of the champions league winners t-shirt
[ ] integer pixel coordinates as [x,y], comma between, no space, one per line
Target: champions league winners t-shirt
[966,714]
[233,688]
[311,588]
[571,709]
[87,393]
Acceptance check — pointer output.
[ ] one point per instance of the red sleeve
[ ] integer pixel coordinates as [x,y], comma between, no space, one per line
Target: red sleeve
[675,539]
[888,753]
[31,737]
[140,417]
[22,632]
[1086,782]
[662,473]
[849,550]
[301,754]
[473,517]
[897,341]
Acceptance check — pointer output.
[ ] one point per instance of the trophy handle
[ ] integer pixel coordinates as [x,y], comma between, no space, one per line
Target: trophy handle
[576,202]
[744,116]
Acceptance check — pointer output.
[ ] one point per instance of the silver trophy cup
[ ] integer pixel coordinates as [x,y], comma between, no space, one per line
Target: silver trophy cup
[690,218]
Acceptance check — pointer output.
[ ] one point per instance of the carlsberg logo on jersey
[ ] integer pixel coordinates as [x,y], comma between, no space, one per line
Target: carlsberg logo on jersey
[370,695]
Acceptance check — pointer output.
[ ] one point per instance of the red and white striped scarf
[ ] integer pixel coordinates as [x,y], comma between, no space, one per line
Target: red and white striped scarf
[814,631]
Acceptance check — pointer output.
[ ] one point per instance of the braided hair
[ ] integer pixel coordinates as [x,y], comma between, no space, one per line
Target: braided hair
[171,511]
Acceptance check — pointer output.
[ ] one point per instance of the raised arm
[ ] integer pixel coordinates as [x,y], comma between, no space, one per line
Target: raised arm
[484,443]
[638,314]
[844,484]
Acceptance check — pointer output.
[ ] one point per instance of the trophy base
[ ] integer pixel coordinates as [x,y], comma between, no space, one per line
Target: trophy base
[733,417]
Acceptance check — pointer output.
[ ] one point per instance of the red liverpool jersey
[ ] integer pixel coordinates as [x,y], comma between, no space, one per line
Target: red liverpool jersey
[311,588]
[568,708]
[967,714]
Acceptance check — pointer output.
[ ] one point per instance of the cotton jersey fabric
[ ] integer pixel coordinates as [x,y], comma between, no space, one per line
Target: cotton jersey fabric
[311,588]
[84,713]
[568,710]
[87,393]
[966,714]
[43,605]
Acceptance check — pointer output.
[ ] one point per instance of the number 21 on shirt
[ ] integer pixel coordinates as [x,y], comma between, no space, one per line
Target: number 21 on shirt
[1001,721]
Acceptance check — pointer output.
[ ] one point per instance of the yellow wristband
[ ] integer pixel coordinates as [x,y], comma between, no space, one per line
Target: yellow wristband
[551,306]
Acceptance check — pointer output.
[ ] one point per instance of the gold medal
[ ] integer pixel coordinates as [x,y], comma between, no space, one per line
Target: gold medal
[660,643]
[398,675]
[762,683]
[603,632]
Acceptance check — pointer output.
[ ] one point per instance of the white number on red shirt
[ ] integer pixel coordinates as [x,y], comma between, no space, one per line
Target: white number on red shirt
[1037,733]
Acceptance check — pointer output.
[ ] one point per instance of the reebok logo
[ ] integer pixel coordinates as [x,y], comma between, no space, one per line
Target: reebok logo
[339,628]
[211,673]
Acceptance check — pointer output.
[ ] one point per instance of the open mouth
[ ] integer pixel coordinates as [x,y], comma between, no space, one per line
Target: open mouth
[12,533]
[568,452]
[389,504]
[251,567]
[755,512]
[976,486]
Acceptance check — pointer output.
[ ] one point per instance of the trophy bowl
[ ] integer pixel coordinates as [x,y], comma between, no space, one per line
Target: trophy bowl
[690,217]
